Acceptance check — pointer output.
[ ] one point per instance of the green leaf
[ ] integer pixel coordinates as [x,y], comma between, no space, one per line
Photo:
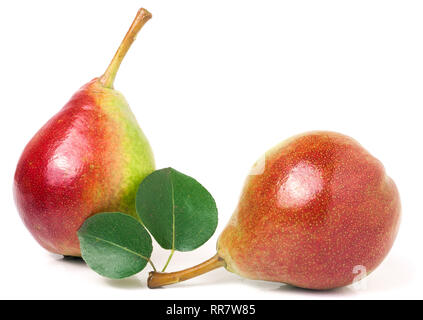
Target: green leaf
[177,210]
[114,244]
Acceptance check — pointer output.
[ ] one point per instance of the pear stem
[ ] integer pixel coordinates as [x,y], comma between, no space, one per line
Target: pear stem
[160,279]
[108,77]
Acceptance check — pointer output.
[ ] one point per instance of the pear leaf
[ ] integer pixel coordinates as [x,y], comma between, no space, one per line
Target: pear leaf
[177,210]
[114,244]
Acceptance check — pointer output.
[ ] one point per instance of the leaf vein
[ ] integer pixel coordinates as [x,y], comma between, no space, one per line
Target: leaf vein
[173,215]
[118,246]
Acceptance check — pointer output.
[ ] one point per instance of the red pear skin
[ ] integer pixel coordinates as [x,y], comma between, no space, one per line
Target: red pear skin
[322,208]
[88,158]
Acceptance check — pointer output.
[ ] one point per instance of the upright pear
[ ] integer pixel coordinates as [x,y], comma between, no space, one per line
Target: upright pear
[317,212]
[88,158]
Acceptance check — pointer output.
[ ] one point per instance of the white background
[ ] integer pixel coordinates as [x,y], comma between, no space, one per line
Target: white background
[214,84]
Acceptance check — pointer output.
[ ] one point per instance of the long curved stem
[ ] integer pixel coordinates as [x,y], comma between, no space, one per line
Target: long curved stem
[160,279]
[141,18]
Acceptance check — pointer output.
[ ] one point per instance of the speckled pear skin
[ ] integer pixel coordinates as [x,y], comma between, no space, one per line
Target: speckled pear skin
[322,206]
[89,158]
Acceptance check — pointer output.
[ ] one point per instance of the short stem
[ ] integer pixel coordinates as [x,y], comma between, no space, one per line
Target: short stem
[159,279]
[152,264]
[108,77]
[168,260]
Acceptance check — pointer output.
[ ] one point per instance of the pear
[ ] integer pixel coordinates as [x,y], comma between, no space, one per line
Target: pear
[88,158]
[317,212]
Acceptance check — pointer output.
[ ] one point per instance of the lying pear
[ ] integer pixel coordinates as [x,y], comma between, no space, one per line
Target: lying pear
[317,213]
[88,158]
